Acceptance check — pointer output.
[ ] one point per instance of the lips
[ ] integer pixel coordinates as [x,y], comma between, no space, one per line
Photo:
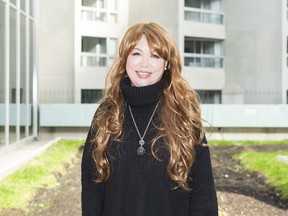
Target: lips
[143,74]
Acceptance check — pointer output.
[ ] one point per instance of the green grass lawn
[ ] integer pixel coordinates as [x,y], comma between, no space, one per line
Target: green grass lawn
[266,163]
[275,171]
[19,188]
[246,142]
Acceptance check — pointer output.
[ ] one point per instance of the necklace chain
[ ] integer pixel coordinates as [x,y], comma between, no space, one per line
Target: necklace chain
[141,151]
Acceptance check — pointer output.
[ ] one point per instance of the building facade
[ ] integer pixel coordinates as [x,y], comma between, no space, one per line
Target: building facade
[58,52]
[18,71]
[256,51]
[228,58]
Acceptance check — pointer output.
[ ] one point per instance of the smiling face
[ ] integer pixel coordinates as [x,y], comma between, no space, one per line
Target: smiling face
[144,66]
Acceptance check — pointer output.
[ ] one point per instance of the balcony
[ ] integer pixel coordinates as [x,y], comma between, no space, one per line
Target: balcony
[200,60]
[205,16]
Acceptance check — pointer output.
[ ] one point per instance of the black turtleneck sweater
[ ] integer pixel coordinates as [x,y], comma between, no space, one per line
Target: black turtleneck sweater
[139,185]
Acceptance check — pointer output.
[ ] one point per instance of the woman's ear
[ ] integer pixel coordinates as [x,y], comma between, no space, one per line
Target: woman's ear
[166,65]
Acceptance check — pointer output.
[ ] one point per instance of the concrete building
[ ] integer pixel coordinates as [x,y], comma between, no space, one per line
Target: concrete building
[228,58]
[256,51]
[18,71]
[58,52]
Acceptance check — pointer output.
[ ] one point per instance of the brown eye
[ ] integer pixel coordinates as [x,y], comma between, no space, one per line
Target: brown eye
[135,54]
[156,56]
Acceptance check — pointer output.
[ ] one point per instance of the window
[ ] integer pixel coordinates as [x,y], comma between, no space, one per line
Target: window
[209,11]
[287,52]
[14,95]
[98,52]
[203,53]
[91,95]
[17,61]
[13,2]
[2,54]
[210,96]
[100,10]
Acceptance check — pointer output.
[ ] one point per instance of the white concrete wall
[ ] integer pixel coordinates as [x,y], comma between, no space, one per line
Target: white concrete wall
[161,11]
[253,49]
[205,78]
[204,30]
[226,121]
[56,51]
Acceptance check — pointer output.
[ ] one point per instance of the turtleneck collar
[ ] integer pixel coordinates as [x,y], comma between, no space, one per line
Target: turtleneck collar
[141,96]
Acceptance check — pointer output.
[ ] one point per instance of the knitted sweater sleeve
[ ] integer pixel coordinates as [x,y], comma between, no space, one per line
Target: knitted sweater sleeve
[92,196]
[203,199]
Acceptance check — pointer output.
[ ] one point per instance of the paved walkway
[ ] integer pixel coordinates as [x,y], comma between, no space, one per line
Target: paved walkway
[13,158]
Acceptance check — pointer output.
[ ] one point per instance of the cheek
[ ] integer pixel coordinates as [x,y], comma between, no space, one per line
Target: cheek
[130,63]
[159,67]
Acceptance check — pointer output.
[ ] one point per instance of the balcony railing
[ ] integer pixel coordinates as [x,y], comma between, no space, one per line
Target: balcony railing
[200,60]
[95,60]
[99,15]
[200,15]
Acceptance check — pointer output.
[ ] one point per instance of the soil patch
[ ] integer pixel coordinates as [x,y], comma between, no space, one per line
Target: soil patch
[239,192]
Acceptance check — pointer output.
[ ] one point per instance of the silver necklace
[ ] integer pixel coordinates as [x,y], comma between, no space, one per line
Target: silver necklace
[141,150]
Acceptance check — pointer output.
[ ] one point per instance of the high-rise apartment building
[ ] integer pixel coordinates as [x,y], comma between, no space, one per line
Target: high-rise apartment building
[197,26]
[234,52]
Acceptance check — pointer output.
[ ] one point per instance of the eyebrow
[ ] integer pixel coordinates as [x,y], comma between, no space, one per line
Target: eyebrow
[137,49]
[142,50]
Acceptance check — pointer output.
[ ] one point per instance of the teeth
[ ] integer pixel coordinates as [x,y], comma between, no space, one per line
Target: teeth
[143,74]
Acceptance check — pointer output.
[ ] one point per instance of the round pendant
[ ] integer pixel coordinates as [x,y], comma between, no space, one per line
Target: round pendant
[141,142]
[141,151]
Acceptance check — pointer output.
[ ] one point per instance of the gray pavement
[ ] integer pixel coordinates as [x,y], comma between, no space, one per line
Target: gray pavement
[12,159]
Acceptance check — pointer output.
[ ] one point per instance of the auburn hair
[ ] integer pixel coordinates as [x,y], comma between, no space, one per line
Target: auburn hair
[181,124]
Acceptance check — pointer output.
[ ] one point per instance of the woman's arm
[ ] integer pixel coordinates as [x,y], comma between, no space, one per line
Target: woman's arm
[92,196]
[203,199]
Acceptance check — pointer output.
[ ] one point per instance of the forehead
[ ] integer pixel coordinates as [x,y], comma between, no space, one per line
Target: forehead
[144,45]
[142,42]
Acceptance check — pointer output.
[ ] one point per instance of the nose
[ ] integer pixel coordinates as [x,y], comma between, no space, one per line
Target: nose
[145,61]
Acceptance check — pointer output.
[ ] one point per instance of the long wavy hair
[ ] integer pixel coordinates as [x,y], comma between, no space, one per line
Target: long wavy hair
[181,125]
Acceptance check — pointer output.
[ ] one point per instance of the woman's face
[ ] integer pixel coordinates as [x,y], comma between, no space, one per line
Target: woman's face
[144,66]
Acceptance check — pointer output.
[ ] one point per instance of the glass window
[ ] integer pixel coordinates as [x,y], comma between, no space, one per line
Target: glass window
[203,52]
[91,95]
[94,45]
[208,47]
[14,95]
[209,11]
[100,10]
[215,5]
[13,2]
[31,9]
[23,5]
[23,55]
[19,126]
[2,52]
[12,73]
[12,66]
[98,51]
[94,3]
[209,96]
[31,63]
[30,88]
[193,3]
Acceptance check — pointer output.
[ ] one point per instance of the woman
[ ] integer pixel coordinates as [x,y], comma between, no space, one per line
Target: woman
[146,152]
